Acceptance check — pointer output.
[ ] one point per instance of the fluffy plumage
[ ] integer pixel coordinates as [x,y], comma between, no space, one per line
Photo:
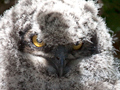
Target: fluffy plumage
[24,66]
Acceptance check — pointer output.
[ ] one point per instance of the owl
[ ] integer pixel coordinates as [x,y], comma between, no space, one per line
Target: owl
[56,45]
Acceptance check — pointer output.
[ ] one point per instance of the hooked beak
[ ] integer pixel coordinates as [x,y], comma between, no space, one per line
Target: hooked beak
[59,61]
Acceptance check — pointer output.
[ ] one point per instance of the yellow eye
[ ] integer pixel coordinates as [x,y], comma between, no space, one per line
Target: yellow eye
[36,43]
[77,46]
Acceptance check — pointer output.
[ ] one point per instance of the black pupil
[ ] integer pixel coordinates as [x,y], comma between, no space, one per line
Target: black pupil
[40,41]
[77,43]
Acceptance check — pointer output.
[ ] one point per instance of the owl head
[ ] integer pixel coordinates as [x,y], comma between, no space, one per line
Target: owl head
[54,34]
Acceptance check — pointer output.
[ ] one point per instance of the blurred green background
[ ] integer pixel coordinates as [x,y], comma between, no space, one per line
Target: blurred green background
[110,12]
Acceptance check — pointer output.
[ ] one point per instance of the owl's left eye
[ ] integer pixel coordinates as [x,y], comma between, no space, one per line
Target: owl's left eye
[77,46]
[36,43]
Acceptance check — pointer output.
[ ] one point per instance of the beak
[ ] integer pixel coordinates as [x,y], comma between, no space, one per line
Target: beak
[59,61]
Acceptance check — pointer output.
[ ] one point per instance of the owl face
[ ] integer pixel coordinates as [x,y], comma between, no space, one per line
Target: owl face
[54,44]
[54,37]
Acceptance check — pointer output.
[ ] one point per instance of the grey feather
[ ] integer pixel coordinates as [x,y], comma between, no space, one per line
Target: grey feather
[23,66]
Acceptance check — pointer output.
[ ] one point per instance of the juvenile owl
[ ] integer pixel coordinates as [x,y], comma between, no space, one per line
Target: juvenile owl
[56,45]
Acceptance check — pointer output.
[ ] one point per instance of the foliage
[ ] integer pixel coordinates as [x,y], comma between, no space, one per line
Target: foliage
[111,11]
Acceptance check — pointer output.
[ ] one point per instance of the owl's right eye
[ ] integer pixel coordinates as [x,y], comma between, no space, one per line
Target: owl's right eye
[36,43]
[77,46]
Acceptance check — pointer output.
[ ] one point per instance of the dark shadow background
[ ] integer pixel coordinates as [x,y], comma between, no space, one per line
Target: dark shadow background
[110,12]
